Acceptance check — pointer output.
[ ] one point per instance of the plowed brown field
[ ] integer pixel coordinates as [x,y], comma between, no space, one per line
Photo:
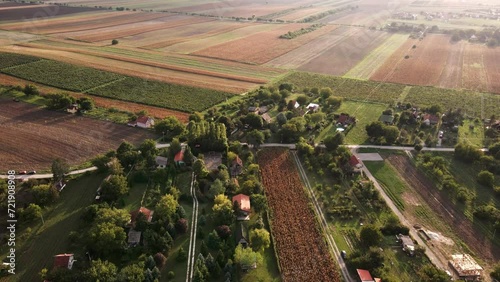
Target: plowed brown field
[262,47]
[32,137]
[445,209]
[302,251]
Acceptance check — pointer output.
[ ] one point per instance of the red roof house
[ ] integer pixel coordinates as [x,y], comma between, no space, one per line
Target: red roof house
[355,162]
[179,157]
[243,201]
[345,119]
[236,167]
[143,122]
[64,260]
[364,275]
[146,212]
[429,119]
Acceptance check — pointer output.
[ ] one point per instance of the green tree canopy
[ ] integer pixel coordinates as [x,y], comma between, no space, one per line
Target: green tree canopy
[106,238]
[166,208]
[114,188]
[59,168]
[370,235]
[216,188]
[223,209]
[170,127]
[332,142]
[44,194]
[260,239]
[101,270]
[246,257]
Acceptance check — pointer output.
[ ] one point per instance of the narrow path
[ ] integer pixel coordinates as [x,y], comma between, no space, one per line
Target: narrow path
[324,225]
[430,254]
[192,236]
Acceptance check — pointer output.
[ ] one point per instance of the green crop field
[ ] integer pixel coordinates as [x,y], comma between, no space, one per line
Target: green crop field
[345,87]
[62,75]
[9,60]
[473,103]
[389,180]
[365,68]
[111,85]
[172,96]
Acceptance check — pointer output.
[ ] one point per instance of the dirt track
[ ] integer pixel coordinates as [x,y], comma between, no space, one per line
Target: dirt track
[441,205]
[31,138]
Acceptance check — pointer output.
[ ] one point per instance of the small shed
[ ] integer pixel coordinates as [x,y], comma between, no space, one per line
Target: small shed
[161,162]
[179,158]
[242,235]
[236,167]
[73,109]
[133,237]
[64,261]
[466,267]
[143,122]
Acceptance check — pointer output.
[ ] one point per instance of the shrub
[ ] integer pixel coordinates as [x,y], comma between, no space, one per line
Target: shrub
[114,42]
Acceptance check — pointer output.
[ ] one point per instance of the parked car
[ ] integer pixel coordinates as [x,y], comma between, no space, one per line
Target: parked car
[343,254]
[441,134]
[23,172]
[32,172]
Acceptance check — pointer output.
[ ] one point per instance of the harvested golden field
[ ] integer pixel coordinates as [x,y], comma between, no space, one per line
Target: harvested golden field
[265,46]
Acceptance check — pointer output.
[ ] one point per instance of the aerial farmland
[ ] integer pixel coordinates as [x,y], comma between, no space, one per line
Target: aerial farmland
[268,140]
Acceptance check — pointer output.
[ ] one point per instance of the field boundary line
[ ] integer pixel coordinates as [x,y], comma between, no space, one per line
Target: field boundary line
[103,85]
[20,65]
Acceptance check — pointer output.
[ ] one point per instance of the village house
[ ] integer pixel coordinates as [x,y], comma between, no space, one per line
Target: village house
[365,276]
[345,120]
[312,107]
[263,110]
[236,167]
[179,158]
[406,243]
[148,214]
[133,237]
[142,122]
[430,119]
[355,162]
[161,162]
[254,110]
[64,261]
[267,118]
[244,204]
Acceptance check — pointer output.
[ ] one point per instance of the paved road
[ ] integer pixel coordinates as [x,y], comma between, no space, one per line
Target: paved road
[430,254]
[324,225]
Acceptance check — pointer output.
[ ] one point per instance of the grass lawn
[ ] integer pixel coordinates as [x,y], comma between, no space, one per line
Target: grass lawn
[474,135]
[52,238]
[134,198]
[365,114]
[389,180]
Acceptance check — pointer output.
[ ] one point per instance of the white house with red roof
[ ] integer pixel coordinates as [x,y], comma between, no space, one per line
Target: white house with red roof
[365,276]
[142,210]
[244,203]
[355,163]
[143,122]
[179,157]
[64,261]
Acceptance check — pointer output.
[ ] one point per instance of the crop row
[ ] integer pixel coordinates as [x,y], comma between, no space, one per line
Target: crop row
[109,84]
[303,253]
[9,60]
[172,96]
[348,88]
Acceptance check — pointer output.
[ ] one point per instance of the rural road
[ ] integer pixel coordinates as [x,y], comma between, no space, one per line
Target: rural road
[266,145]
[430,254]
[192,236]
[324,225]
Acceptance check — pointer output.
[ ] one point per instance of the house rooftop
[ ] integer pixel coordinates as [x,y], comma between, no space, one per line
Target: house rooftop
[354,161]
[364,275]
[465,265]
[161,160]
[146,212]
[134,237]
[142,119]
[244,202]
[62,260]
[179,157]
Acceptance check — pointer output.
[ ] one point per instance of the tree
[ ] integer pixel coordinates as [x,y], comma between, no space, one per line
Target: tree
[181,226]
[258,202]
[468,153]
[30,89]
[332,142]
[44,194]
[59,168]
[100,270]
[106,238]
[486,178]
[216,188]
[131,273]
[170,127]
[149,151]
[495,274]
[86,104]
[223,231]
[59,101]
[175,147]
[160,259]
[334,102]
[302,99]
[391,134]
[434,109]
[255,138]
[213,240]
[114,188]
[223,209]
[370,235]
[166,207]
[326,92]
[181,255]
[114,42]
[375,129]
[203,248]
[246,257]
[430,273]
[254,120]
[260,239]
[32,212]
[199,169]
[115,167]
[119,217]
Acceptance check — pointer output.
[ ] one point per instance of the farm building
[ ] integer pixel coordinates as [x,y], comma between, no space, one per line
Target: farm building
[263,110]
[365,276]
[254,110]
[73,109]
[430,119]
[133,237]
[244,203]
[355,163]
[242,235]
[236,167]
[64,261]
[345,120]
[59,185]
[313,107]
[406,243]
[387,119]
[161,162]
[179,158]
[466,267]
[142,210]
[143,122]
[266,117]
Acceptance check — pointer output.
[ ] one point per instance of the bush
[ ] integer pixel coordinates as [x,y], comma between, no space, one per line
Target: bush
[486,178]
[114,42]
[170,275]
